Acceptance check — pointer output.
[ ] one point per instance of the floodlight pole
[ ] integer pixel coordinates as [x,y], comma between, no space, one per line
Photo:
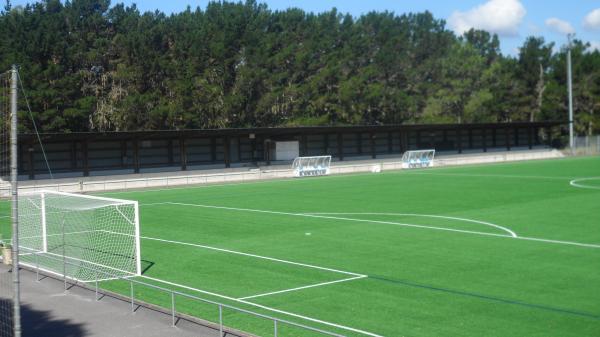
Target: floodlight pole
[15,200]
[570,89]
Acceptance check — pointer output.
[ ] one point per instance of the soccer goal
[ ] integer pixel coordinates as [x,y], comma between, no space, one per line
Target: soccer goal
[85,238]
[418,159]
[311,166]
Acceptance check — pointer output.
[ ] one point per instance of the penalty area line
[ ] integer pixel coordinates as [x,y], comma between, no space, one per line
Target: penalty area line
[256,305]
[254,256]
[303,287]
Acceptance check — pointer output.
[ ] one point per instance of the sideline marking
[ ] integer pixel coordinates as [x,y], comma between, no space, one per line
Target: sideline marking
[575,183]
[513,234]
[310,319]
[304,287]
[571,243]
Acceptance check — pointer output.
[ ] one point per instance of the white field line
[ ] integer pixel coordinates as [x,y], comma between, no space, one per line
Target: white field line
[304,287]
[478,175]
[307,215]
[571,243]
[513,234]
[255,256]
[306,318]
[576,183]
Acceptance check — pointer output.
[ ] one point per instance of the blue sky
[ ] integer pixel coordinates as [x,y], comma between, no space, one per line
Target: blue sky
[513,20]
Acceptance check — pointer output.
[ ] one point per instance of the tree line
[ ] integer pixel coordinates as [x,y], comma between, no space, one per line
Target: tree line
[90,66]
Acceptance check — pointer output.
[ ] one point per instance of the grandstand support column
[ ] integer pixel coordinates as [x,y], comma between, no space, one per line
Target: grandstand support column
[213,149]
[340,146]
[432,139]
[170,151]
[529,138]
[226,152]
[85,157]
[123,153]
[470,134]
[494,140]
[360,143]
[30,159]
[136,156]
[484,139]
[516,135]
[372,143]
[253,148]
[507,138]
[182,153]
[402,136]
[459,139]
[303,145]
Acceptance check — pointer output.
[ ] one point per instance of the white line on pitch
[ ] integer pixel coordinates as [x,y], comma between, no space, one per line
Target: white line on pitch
[480,175]
[589,245]
[255,256]
[306,215]
[303,287]
[513,234]
[310,319]
[571,243]
[577,183]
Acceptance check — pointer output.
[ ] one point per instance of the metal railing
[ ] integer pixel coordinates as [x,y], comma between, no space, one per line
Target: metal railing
[173,294]
[586,145]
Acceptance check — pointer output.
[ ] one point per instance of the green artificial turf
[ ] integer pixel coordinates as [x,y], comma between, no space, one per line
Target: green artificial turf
[426,275]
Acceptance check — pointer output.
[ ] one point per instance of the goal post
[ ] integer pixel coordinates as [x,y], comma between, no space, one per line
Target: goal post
[82,237]
[418,159]
[311,166]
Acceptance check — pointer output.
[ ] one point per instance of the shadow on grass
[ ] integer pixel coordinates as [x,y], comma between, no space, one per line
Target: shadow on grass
[485,297]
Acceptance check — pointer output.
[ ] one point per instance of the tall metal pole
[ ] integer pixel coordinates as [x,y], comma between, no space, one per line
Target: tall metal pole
[15,208]
[570,89]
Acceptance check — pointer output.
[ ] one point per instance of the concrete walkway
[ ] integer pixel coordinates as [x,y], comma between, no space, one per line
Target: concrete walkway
[49,311]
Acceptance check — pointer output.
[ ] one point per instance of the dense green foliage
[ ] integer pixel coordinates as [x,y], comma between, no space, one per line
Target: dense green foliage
[88,65]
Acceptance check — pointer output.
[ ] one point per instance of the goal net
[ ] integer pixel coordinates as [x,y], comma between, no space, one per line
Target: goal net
[311,166]
[82,237]
[418,159]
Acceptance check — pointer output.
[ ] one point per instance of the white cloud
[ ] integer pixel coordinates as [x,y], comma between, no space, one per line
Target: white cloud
[560,26]
[496,16]
[592,20]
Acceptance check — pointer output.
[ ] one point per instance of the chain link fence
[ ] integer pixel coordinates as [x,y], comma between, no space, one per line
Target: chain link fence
[6,301]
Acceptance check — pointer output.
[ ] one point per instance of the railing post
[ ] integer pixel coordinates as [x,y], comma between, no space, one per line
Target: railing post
[220,320]
[37,268]
[275,328]
[173,308]
[96,283]
[65,272]
[131,288]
